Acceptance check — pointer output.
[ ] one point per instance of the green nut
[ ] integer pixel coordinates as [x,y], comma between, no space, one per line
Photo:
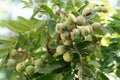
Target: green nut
[38,62]
[75,33]
[104,9]
[68,57]
[80,20]
[10,62]
[67,42]
[30,70]
[85,31]
[65,35]
[98,8]
[96,26]
[60,50]
[86,11]
[60,28]
[20,67]
[70,19]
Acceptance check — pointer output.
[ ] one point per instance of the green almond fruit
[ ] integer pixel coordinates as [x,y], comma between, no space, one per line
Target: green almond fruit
[68,57]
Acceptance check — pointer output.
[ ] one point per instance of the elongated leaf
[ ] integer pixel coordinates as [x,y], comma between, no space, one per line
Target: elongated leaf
[5,56]
[52,68]
[27,4]
[5,47]
[47,10]
[115,39]
[35,11]
[6,24]
[118,72]
[49,77]
[6,39]
[41,23]
[18,25]
[51,26]
[81,8]
[95,64]
[15,26]
[25,22]
[103,76]
[81,45]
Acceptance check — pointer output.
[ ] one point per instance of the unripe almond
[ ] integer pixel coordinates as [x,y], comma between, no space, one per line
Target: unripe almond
[75,33]
[38,62]
[27,62]
[20,67]
[30,70]
[88,38]
[10,62]
[65,35]
[70,19]
[104,9]
[67,42]
[39,15]
[86,11]
[60,50]
[60,28]
[70,27]
[96,26]
[85,31]
[90,29]
[68,57]
[98,8]
[80,20]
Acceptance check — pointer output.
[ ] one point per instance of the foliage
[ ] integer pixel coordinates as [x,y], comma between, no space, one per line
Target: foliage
[36,40]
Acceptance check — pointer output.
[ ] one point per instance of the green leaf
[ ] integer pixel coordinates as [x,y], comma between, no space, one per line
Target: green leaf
[82,44]
[41,23]
[25,22]
[107,70]
[118,73]
[6,24]
[35,11]
[68,76]
[81,8]
[25,41]
[24,2]
[51,26]
[50,77]
[5,56]
[31,2]
[97,51]
[6,46]
[95,64]
[53,68]
[47,10]
[102,76]
[18,25]
[15,26]
[27,4]
[6,39]
[115,39]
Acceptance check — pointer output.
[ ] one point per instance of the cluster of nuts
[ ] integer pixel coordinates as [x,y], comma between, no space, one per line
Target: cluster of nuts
[27,66]
[74,28]
[101,8]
